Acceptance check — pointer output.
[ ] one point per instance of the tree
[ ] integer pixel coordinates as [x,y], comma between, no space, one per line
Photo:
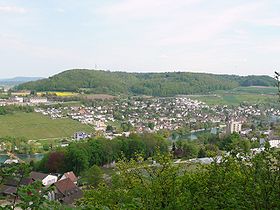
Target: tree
[93,176]
[77,158]
[126,126]
[277,77]
[190,150]
[201,153]
[137,186]
[55,162]
[250,182]
[109,128]
[33,197]
[151,125]
[3,111]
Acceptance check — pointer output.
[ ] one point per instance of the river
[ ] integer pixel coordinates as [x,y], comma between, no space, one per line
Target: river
[24,157]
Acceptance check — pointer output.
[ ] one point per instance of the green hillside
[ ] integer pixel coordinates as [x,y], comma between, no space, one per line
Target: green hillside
[36,126]
[156,84]
[251,95]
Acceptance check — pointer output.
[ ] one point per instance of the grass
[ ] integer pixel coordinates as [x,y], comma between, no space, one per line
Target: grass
[35,126]
[256,90]
[251,95]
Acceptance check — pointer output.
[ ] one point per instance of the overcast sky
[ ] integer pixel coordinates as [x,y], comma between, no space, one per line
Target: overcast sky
[41,38]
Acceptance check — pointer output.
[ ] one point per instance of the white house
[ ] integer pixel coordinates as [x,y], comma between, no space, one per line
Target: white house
[47,179]
[274,143]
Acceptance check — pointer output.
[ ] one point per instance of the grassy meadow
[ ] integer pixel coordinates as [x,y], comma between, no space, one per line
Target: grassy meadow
[252,95]
[35,126]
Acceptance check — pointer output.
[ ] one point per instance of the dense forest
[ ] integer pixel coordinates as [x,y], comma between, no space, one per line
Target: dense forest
[155,84]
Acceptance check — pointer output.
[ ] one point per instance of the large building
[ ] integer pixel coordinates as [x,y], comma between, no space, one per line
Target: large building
[233,126]
[38,100]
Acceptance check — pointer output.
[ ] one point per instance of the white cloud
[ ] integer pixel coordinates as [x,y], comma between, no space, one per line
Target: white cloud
[143,9]
[12,9]
[60,10]
[275,21]
[201,26]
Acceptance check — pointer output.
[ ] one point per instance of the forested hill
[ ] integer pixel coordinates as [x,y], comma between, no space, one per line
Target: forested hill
[156,84]
[18,80]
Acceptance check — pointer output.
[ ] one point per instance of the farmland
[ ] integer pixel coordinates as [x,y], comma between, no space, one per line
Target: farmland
[252,95]
[61,94]
[35,126]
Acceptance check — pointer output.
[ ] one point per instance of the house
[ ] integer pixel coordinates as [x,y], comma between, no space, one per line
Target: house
[80,135]
[71,176]
[246,131]
[46,179]
[11,161]
[67,192]
[275,143]
[9,188]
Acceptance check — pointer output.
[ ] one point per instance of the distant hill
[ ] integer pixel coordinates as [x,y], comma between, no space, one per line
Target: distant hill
[18,80]
[156,84]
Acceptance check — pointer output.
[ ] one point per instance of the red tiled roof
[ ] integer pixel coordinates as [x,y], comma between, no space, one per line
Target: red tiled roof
[68,192]
[65,185]
[8,190]
[37,175]
[71,176]
[26,181]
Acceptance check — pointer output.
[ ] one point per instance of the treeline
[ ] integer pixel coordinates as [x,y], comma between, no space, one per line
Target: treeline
[234,182]
[13,108]
[80,156]
[210,144]
[19,145]
[155,84]
[252,80]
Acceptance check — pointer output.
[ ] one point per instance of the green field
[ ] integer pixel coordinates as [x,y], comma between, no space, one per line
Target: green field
[251,95]
[35,126]
[254,90]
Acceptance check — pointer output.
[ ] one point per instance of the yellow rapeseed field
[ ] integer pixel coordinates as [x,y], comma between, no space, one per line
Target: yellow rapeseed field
[61,94]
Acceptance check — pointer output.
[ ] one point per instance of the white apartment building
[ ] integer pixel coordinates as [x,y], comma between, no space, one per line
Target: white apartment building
[234,126]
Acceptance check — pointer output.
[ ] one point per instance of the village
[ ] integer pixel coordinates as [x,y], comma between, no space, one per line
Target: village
[120,117]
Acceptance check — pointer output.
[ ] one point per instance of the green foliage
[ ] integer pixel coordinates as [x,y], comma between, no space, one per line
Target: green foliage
[33,197]
[80,155]
[250,182]
[151,125]
[235,143]
[3,111]
[12,108]
[93,176]
[156,84]
[77,157]
[186,149]
[19,145]
[126,126]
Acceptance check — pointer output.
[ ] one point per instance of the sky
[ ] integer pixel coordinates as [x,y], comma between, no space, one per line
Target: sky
[42,38]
